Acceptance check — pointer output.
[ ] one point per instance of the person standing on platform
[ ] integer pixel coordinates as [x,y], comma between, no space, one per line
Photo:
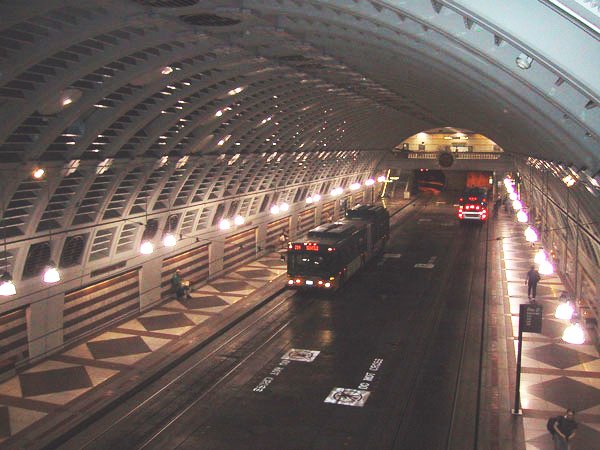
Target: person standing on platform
[564,430]
[531,280]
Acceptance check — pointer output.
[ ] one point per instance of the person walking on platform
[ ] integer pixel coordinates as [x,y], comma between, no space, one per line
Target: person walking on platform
[497,204]
[564,430]
[531,280]
[181,287]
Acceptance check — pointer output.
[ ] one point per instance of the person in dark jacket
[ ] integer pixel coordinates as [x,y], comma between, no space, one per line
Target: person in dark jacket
[564,430]
[531,280]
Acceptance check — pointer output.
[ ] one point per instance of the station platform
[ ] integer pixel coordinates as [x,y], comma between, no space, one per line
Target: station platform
[554,375]
[41,402]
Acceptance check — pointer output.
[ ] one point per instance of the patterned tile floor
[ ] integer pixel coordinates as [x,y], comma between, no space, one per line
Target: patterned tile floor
[48,386]
[555,375]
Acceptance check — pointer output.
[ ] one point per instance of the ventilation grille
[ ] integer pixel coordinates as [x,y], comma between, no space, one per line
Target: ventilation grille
[38,257]
[90,205]
[20,207]
[150,229]
[73,250]
[188,222]
[203,219]
[119,199]
[52,217]
[101,246]
[186,190]
[127,238]
[6,262]
[209,20]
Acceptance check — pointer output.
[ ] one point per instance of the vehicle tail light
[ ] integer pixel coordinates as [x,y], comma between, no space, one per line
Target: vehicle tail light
[298,281]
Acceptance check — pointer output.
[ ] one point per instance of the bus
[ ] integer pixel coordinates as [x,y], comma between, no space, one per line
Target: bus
[473,205]
[328,255]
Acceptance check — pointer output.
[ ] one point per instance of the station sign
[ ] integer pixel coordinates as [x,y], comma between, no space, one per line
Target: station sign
[530,318]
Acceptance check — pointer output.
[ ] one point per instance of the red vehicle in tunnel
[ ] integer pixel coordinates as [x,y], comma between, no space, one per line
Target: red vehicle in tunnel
[473,205]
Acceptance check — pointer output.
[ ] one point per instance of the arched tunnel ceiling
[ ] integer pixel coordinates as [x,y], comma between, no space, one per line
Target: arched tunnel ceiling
[333,75]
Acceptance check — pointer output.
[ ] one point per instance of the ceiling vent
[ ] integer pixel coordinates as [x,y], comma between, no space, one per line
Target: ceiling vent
[209,20]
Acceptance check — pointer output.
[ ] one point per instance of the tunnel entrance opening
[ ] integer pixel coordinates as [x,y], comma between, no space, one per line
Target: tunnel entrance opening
[431,181]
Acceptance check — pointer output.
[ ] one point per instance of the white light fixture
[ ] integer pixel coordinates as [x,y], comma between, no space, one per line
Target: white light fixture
[517,205]
[381,178]
[274,209]
[224,224]
[7,286]
[545,268]
[38,173]
[370,182]
[146,248]
[166,70]
[513,196]
[531,235]
[540,256]
[284,207]
[522,216]
[170,240]
[564,311]
[316,198]
[574,334]
[354,186]
[309,199]
[239,220]
[524,61]
[51,274]
[337,191]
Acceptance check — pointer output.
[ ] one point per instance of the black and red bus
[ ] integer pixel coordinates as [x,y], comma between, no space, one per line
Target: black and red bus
[330,254]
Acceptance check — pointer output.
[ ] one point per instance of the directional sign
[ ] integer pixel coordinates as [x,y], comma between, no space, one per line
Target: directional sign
[530,318]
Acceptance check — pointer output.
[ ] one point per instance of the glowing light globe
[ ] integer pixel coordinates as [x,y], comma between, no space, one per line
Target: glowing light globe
[574,334]
[564,311]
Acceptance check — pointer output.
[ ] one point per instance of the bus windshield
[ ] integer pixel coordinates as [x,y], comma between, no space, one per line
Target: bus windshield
[308,263]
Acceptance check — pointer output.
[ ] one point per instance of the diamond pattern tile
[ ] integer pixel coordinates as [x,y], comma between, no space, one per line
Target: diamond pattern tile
[256,273]
[53,381]
[559,356]
[567,392]
[112,348]
[203,302]
[231,286]
[165,322]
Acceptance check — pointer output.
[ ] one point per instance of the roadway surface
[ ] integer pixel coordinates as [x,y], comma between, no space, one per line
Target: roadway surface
[389,362]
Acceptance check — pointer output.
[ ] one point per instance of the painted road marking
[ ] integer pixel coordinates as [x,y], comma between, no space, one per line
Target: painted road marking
[424,220]
[392,255]
[356,397]
[348,397]
[276,371]
[429,265]
[297,354]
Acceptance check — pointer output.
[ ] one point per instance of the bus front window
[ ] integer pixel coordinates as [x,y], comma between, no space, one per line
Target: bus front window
[307,263]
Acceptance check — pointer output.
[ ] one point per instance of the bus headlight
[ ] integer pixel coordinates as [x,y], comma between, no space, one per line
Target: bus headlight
[290,282]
